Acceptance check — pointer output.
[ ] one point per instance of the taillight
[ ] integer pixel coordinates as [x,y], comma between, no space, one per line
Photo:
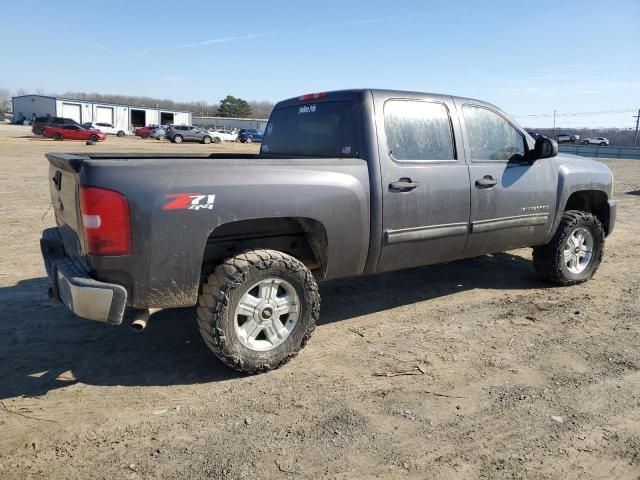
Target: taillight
[312,96]
[106,222]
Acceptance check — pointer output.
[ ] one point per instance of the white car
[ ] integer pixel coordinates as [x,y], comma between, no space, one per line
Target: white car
[106,128]
[223,136]
[603,142]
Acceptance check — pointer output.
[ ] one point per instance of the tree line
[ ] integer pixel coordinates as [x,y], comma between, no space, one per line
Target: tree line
[228,107]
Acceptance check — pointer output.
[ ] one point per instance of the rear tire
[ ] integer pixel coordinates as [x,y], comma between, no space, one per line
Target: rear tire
[120,133]
[206,140]
[216,140]
[249,140]
[160,137]
[58,137]
[565,261]
[603,144]
[177,139]
[267,338]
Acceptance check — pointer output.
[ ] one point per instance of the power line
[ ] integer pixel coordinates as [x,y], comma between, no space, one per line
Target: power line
[574,114]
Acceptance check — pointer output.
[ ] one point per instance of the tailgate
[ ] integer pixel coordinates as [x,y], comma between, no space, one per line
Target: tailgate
[63,188]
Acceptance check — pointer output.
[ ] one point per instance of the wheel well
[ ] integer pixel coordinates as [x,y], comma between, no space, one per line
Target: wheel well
[593,201]
[302,238]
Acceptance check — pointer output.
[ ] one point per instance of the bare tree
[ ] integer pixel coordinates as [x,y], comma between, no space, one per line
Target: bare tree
[5,100]
[261,108]
[41,91]
[21,91]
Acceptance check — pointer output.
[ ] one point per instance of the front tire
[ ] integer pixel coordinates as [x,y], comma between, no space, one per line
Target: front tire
[249,140]
[574,253]
[206,140]
[258,309]
[603,144]
[58,137]
[177,139]
[120,133]
[94,138]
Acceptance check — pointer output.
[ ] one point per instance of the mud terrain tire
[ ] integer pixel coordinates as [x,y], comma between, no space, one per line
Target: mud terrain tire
[236,278]
[549,260]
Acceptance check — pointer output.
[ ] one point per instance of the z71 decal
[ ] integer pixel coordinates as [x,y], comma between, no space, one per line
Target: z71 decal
[189,201]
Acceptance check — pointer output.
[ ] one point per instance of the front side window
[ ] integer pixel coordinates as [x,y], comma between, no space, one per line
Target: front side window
[491,137]
[418,130]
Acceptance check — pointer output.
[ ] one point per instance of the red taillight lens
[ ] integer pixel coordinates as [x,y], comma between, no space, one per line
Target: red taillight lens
[311,96]
[106,222]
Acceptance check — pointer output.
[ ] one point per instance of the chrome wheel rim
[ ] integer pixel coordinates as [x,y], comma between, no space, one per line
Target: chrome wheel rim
[578,250]
[266,314]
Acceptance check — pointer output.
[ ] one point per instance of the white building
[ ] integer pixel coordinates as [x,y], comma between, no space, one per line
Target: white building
[126,117]
[225,123]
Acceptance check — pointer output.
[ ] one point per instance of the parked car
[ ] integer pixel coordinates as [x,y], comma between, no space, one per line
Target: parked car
[159,133]
[246,237]
[74,132]
[223,136]
[248,135]
[188,133]
[144,132]
[40,123]
[106,128]
[603,142]
[566,138]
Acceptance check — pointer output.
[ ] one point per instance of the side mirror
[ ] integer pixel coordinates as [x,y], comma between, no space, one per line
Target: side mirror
[545,148]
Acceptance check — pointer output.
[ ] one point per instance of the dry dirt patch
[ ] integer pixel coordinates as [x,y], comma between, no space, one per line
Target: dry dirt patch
[466,370]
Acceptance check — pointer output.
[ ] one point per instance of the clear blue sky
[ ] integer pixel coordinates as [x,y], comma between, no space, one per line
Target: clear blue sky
[526,57]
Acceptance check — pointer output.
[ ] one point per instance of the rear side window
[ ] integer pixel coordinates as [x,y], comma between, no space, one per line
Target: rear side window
[491,137]
[323,129]
[418,130]
[41,119]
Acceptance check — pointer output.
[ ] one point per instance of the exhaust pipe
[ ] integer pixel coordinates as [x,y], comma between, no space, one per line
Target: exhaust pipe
[141,318]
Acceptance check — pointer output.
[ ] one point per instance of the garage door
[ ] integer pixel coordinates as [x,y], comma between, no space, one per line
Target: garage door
[72,110]
[104,115]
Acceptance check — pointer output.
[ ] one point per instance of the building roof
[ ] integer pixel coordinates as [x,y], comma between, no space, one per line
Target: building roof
[111,104]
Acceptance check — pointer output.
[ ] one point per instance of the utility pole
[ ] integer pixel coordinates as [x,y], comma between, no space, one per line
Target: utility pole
[637,117]
[554,123]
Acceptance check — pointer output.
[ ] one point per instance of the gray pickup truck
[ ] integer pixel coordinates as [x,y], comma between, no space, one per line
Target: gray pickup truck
[346,183]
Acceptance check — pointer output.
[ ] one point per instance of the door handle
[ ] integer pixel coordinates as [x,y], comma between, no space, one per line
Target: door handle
[403,185]
[486,182]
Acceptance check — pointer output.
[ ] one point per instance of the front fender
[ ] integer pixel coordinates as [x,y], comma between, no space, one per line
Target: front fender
[576,174]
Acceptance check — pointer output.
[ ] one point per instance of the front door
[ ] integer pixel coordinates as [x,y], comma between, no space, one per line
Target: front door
[511,197]
[425,182]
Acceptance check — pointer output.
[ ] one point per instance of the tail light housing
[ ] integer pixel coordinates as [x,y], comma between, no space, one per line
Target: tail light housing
[106,222]
[312,96]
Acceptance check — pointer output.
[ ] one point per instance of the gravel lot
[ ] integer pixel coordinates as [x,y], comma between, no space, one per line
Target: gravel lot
[474,369]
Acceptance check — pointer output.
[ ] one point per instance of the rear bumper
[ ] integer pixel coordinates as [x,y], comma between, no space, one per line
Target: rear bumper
[72,285]
[612,216]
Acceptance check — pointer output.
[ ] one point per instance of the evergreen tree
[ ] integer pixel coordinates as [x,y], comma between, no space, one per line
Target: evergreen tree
[233,107]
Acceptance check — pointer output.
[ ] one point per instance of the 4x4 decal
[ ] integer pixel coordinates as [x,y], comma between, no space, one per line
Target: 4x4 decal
[189,201]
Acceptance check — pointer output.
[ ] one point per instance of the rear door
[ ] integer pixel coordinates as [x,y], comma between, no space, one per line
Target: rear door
[425,181]
[511,197]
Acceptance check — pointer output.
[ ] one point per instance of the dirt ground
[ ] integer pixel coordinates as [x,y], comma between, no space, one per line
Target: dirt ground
[474,369]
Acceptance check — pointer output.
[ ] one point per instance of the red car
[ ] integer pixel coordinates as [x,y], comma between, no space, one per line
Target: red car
[73,132]
[144,132]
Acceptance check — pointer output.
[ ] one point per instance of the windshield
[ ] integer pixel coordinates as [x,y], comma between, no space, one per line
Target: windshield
[326,129]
